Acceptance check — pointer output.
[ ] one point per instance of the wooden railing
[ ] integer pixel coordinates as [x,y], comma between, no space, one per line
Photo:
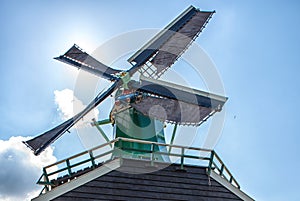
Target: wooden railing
[72,167]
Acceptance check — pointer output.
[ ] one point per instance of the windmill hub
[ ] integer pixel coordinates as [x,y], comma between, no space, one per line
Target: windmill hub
[125,77]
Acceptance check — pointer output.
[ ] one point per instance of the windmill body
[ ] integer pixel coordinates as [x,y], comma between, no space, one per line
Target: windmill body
[131,123]
[134,125]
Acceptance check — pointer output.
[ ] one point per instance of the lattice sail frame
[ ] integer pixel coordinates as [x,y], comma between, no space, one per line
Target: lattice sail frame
[76,57]
[175,104]
[161,52]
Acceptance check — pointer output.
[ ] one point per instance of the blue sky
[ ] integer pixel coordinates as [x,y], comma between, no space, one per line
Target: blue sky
[254,45]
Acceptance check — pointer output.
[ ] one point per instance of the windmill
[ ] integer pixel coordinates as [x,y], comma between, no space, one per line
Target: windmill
[142,106]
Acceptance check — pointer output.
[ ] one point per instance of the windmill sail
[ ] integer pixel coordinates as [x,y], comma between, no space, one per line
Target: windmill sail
[80,59]
[166,47]
[41,142]
[176,104]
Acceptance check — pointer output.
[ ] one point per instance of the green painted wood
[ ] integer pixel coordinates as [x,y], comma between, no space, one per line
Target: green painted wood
[134,125]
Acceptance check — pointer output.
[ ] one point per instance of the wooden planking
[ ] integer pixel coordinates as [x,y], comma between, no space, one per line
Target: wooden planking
[142,181]
[193,175]
[173,185]
[129,195]
[165,169]
[133,197]
[80,197]
[168,179]
[168,183]
[162,189]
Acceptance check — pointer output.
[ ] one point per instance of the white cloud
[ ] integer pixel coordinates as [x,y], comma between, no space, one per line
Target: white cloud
[69,105]
[20,169]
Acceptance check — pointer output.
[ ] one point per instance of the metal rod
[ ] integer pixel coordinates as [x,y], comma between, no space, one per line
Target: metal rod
[101,131]
[101,122]
[173,136]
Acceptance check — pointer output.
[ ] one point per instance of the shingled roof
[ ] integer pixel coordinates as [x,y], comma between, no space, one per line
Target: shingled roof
[132,179]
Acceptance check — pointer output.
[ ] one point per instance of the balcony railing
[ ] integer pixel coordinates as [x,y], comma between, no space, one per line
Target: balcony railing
[77,165]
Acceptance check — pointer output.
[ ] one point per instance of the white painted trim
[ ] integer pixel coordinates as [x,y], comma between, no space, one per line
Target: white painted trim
[230,187]
[64,188]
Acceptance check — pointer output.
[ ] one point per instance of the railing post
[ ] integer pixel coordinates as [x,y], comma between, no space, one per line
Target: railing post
[69,167]
[46,179]
[230,180]
[238,186]
[210,162]
[182,158]
[152,154]
[92,159]
[221,170]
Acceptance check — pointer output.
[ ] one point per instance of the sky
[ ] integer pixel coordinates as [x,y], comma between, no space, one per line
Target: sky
[253,44]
